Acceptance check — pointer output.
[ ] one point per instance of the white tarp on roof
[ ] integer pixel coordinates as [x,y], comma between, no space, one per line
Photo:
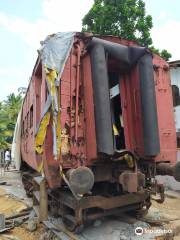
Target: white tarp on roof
[55,50]
[16,144]
[54,53]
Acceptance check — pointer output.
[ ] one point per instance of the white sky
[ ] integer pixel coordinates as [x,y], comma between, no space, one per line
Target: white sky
[23,24]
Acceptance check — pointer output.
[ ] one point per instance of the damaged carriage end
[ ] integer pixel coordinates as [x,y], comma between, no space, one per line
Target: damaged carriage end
[82,184]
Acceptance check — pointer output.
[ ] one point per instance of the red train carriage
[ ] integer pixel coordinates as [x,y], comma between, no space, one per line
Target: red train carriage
[104,124]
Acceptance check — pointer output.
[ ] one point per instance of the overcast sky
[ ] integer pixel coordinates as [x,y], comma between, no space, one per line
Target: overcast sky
[24,23]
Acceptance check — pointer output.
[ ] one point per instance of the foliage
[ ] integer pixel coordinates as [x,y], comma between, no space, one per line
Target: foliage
[9,110]
[124,18]
[164,53]
[155,50]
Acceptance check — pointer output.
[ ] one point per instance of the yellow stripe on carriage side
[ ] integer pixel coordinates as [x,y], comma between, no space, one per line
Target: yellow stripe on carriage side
[41,134]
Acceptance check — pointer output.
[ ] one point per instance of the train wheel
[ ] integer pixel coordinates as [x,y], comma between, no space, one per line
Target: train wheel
[71,224]
[142,210]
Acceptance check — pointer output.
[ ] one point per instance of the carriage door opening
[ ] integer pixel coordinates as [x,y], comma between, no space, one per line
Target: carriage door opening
[116,111]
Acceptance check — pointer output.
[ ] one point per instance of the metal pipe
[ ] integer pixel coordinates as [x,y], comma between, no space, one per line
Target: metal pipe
[149,107]
[129,55]
[126,54]
[77,90]
[103,121]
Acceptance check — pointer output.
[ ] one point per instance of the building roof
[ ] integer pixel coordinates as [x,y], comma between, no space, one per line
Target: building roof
[174,63]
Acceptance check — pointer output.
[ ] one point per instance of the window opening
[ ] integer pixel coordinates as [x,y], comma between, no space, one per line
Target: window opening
[116,111]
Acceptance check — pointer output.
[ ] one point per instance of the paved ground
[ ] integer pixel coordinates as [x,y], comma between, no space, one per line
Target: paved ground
[169,182]
[162,218]
[14,185]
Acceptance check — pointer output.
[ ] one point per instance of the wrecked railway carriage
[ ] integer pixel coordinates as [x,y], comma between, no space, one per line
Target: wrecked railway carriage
[97,122]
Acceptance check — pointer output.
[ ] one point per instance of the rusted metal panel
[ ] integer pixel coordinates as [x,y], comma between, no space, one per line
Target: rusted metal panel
[132,112]
[166,122]
[131,106]
[89,110]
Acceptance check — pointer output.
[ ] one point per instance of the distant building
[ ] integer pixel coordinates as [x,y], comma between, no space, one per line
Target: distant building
[168,181]
[175,82]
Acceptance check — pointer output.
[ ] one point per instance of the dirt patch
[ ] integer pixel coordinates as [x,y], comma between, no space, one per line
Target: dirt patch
[2,192]
[169,208]
[20,233]
[165,216]
[9,204]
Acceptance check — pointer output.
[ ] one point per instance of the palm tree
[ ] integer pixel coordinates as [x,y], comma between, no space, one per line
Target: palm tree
[9,110]
[12,106]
